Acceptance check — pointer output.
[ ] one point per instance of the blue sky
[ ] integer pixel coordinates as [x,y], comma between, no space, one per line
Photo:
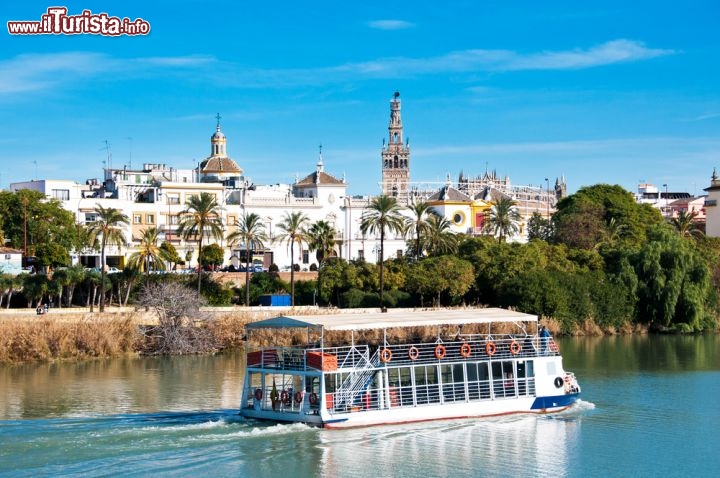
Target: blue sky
[615,92]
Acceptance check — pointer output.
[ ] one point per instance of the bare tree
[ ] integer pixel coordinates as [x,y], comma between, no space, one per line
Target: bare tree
[182,328]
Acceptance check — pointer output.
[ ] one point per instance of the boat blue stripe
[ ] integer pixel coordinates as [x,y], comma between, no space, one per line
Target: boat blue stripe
[554,401]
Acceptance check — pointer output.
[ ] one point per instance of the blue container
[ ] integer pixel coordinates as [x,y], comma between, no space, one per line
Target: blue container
[275,300]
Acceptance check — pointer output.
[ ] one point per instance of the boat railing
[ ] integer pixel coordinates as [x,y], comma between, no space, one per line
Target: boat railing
[475,348]
[356,382]
[470,347]
[305,358]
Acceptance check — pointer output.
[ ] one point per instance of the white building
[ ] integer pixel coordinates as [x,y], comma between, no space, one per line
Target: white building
[155,195]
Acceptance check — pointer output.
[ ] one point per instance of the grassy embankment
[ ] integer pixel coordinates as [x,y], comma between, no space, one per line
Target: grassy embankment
[26,337]
[80,336]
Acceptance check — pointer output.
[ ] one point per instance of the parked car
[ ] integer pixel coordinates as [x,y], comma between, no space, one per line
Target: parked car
[113,270]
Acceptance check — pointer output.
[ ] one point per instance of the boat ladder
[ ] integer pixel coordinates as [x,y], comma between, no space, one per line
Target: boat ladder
[356,382]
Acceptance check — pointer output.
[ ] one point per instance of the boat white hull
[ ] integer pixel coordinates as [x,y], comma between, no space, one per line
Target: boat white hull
[398,415]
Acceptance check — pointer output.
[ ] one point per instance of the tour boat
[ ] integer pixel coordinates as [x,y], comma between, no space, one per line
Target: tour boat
[506,365]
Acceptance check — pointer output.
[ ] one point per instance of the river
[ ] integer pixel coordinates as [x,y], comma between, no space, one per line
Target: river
[649,408]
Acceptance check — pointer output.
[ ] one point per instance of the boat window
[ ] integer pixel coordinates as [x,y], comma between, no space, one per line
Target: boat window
[453,383]
[405,378]
[551,368]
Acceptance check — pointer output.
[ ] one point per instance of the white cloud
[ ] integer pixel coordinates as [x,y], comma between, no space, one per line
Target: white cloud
[462,61]
[36,72]
[390,24]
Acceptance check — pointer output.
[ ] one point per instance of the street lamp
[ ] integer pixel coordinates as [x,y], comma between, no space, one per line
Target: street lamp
[547,184]
[25,204]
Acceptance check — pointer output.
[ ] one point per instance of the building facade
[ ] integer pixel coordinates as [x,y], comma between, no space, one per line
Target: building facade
[156,194]
[395,157]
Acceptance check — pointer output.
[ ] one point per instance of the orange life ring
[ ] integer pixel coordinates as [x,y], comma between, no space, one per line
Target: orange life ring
[515,347]
[284,396]
[298,397]
[413,353]
[258,394]
[490,348]
[313,398]
[465,350]
[385,355]
[440,351]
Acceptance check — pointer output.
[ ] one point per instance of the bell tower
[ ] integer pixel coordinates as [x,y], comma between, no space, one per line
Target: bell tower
[396,157]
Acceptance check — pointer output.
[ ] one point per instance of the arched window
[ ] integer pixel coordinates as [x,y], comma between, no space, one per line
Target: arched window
[395,137]
[396,161]
[395,191]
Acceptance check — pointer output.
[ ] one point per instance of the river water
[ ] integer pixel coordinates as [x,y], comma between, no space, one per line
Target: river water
[650,407]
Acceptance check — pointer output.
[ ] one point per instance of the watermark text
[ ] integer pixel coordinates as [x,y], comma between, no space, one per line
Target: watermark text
[57,22]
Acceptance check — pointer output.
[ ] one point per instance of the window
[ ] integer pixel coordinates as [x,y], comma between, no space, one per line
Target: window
[61,194]
[361,255]
[173,198]
[137,218]
[399,253]
[150,219]
[305,256]
[174,220]
[232,220]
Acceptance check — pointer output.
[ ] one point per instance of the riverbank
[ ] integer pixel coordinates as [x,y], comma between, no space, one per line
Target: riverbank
[78,334]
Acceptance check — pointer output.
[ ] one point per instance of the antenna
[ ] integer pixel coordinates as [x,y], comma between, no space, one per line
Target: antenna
[130,162]
[109,155]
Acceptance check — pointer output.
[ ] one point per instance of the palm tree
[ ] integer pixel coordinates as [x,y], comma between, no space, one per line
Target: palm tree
[148,251]
[321,239]
[614,231]
[107,227]
[438,236]
[250,233]
[685,224]
[200,218]
[381,215]
[418,222]
[503,219]
[293,231]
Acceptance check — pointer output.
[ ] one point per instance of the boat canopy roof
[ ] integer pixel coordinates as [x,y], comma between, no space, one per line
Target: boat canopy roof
[398,318]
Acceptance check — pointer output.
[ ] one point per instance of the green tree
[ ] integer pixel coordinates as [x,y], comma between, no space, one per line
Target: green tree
[438,236]
[212,256]
[434,276]
[61,278]
[35,287]
[674,287]
[686,224]
[250,234]
[148,253]
[589,211]
[382,216]
[76,276]
[293,232]
[200,219]
[29,218]
[52,255]
[108,228]
[321,240]
[539,228]
[170,253]
[418,222]
[503,219]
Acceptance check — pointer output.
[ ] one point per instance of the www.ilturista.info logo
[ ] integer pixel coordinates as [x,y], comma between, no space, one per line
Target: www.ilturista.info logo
[57,22]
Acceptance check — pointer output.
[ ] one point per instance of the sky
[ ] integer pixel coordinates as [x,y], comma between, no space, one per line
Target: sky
[610,92]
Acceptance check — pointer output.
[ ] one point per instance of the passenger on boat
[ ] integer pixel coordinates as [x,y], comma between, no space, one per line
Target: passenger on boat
[544,339]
